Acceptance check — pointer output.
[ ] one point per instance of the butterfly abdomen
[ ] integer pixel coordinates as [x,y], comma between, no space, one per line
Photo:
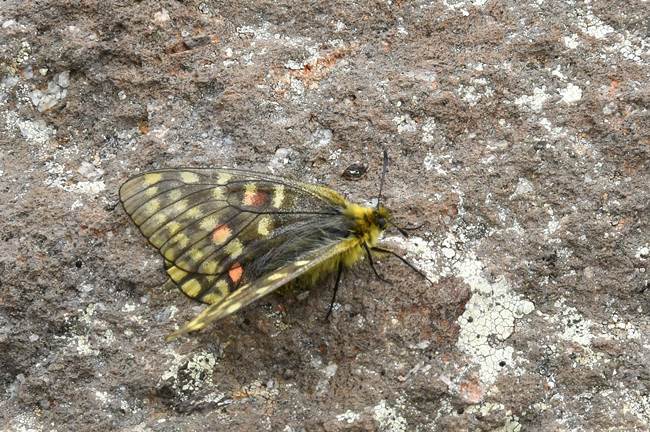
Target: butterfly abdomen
[348,258]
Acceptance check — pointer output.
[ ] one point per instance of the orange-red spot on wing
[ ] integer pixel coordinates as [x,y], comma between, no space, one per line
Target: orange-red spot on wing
[235,273]
[255,199]
[221,233]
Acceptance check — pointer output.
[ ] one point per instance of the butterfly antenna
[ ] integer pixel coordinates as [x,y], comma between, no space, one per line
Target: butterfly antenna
[384,170]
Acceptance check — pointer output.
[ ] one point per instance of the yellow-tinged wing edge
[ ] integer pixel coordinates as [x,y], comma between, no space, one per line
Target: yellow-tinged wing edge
[266,284]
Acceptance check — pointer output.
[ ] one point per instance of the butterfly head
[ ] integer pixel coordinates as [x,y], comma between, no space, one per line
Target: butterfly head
[380,217]
[368,222]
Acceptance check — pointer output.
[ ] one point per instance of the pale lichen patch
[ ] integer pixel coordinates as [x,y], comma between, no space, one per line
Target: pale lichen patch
[488,409]
[571,94]
[576,328]
[328,373]
[187,375]
[389,418]
[489,319]
[348,417]
[534,102]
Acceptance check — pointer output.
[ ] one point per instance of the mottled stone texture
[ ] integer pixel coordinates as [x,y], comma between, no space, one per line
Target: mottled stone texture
[519,136]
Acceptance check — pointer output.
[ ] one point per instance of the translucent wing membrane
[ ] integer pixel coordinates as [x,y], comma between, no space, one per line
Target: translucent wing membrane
[267,283]
[220,228]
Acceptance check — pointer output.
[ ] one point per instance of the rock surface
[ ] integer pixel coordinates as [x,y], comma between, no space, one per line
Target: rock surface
[519,135]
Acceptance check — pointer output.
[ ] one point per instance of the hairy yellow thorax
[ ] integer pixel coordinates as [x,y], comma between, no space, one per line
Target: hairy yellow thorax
[367,224]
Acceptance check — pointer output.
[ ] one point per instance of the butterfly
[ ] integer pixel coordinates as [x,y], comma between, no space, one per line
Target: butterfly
[231,236]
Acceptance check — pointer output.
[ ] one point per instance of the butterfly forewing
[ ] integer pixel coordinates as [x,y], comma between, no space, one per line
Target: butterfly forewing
[212,226]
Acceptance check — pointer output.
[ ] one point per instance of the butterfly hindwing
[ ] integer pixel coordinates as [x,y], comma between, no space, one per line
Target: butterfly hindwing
[205,288]
[267,283]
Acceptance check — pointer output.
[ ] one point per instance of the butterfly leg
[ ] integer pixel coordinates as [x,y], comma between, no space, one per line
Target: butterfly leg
[372,266]
[404,230]
[336,288]
[401,258]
